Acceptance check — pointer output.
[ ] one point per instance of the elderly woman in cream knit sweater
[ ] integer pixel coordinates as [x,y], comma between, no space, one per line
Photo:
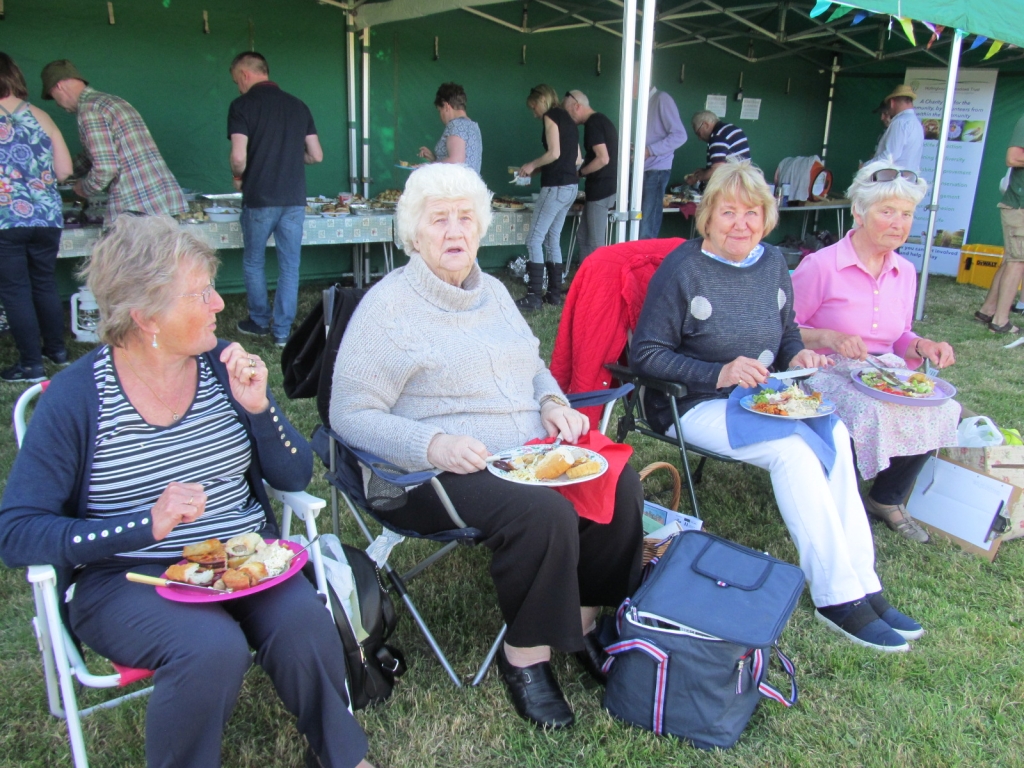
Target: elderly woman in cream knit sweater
[438,369]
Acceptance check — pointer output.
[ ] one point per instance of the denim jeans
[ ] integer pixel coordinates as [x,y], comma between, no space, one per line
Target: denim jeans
[553,204]
[593,232]
[28,289]
[652,205]
[285,223]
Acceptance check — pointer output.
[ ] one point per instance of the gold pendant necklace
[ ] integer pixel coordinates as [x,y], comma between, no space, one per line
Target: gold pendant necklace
[174,411]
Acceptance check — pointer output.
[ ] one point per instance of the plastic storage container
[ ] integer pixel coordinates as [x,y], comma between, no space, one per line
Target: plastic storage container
[978,264]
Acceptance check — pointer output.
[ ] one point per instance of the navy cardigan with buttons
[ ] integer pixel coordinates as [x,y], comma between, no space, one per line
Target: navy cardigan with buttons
[43,511]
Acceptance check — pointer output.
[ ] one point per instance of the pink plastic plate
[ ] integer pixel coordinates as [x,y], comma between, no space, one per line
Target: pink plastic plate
[194,596]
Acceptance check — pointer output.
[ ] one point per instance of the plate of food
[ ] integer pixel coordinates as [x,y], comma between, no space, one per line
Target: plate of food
[507,204]
[789,403]
[405,165]
[552,467]
[240,566]
[915,388]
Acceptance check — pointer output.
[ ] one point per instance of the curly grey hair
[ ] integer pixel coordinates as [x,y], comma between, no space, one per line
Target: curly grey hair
[136,267]
[439,181]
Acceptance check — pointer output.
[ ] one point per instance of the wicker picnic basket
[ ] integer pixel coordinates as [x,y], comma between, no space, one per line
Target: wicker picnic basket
[651,551]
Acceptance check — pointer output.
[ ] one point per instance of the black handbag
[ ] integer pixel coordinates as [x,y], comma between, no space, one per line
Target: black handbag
[695,640]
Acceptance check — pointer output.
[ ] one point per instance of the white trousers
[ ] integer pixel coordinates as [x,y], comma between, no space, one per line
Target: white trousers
[825,515]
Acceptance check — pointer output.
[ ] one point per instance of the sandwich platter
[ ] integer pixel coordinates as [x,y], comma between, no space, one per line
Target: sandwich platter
[520,465]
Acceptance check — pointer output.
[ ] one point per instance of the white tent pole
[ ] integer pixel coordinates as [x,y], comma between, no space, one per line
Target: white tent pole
[350,87]
[643,98]
[366,113]
[625,118]
[828,111]
[933,208]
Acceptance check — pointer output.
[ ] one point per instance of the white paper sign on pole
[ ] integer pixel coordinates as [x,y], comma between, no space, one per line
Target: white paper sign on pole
[716,103]
[967,130]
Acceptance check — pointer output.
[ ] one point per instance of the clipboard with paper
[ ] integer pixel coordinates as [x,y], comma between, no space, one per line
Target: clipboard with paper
[962,505]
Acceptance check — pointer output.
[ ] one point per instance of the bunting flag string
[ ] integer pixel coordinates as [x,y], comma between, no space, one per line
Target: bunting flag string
[908,28]
[858,18]
[819,8]
[979,40]
[839,12]
[993,50]
[937,30]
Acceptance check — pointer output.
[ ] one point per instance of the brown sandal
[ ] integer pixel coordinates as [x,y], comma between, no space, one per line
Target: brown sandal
[1010,328]
[981,317]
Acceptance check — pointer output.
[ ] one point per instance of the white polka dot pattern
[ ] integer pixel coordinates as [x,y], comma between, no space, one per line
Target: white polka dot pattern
[766,358]
[700,308]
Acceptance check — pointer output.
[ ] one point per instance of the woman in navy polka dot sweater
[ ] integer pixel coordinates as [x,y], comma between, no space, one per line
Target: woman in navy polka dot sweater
[719,314]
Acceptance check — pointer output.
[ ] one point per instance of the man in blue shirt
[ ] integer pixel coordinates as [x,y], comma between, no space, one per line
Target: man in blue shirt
[665,134]
[903,140]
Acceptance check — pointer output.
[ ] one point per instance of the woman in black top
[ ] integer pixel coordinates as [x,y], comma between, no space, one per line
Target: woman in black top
[559,184]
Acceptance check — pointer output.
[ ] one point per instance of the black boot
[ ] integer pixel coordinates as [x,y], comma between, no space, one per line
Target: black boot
[531,302]
[554,295]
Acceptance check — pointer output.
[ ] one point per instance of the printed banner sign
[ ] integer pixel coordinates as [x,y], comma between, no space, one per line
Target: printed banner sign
[967,129]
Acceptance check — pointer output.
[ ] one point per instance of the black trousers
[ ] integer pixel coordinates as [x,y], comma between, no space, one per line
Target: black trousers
[200,653]
[546,561]
[28,290]
[892,485]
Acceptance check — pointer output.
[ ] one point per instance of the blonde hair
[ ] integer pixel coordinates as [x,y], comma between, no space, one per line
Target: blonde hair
[439,181]
[544,95]
[136,266]
[864,192]
[737,180]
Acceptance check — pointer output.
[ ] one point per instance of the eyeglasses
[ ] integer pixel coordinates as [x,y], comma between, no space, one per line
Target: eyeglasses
[206,294]
[891,174]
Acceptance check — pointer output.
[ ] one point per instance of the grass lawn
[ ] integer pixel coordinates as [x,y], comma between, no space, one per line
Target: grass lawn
[956,700]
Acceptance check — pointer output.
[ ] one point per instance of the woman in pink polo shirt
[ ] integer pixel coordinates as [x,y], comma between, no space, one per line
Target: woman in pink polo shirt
[856,298]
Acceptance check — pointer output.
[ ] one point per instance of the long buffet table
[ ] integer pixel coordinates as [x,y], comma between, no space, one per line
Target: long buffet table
[507,228]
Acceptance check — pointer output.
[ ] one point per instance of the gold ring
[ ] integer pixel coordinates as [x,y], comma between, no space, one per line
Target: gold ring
[190,500]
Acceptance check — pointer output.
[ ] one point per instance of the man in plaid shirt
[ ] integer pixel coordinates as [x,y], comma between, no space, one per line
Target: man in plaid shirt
[123,158]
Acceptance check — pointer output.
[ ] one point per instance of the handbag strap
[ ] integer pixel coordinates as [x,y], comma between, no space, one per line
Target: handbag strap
[759,670]
[661,676]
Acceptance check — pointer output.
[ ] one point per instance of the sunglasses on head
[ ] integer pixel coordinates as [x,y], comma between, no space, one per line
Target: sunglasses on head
[891,174]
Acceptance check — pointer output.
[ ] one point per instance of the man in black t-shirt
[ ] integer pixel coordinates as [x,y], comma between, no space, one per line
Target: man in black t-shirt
[272,138]
[600,169]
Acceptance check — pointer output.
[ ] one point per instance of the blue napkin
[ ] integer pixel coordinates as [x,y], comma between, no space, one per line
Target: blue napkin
[746,428]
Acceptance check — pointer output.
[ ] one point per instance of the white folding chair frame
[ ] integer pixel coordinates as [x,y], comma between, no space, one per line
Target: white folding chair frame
[62,662]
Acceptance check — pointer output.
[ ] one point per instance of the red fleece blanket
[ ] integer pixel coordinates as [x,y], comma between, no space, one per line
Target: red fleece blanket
[595,499]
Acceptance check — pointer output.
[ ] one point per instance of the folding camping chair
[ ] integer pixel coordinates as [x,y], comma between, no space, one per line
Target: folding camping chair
[613,279]
[62,661]
[387,487]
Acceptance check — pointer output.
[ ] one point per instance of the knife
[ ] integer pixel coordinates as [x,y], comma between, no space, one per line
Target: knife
[796,373]
[885,375]
[154,581]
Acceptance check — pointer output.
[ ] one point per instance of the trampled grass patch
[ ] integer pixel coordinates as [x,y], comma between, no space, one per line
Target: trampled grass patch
[955,700]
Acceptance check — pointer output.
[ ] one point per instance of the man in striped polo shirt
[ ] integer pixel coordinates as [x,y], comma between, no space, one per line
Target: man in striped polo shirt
[724,140]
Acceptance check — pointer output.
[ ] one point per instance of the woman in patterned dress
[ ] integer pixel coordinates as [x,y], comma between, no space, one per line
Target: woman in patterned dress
[159,438]
[461,141]
[856,298]
[33,158]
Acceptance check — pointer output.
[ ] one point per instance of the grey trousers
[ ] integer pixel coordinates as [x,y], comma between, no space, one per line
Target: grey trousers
[594,226]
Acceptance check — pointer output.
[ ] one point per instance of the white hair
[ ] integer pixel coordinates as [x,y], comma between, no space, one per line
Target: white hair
[439,181]
[580,97]
[864,192]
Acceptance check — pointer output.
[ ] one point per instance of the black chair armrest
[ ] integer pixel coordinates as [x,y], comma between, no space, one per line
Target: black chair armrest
[624,374]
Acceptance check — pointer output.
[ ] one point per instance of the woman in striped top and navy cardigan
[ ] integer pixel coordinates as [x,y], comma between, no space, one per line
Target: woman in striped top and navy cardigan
[157,439]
